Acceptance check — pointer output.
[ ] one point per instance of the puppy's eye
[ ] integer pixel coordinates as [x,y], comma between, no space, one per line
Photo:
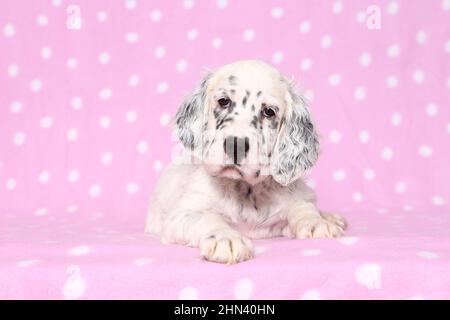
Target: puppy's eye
[224,102]
[268,112]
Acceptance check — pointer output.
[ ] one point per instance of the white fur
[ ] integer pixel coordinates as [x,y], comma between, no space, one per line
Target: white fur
[205,205]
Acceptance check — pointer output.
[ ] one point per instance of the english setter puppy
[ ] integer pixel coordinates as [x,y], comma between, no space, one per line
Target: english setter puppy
[248,138]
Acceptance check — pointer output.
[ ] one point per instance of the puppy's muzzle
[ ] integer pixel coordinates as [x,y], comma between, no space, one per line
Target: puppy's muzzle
[236,148]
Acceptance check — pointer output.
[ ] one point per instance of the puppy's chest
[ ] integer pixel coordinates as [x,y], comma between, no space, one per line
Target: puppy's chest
[252,207]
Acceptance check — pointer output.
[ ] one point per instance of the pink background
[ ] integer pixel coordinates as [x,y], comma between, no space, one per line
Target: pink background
[85,130]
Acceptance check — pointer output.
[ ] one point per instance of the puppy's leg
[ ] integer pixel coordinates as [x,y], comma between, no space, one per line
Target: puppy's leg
[305,221]
[218,242]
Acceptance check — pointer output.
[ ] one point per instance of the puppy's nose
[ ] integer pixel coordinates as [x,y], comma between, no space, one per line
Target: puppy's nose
[236,148]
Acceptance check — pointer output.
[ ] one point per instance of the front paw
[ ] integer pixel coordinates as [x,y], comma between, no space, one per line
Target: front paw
[317,227]
[226,246]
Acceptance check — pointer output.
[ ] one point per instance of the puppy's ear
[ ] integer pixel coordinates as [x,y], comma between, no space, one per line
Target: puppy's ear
[297,146]
[189,117]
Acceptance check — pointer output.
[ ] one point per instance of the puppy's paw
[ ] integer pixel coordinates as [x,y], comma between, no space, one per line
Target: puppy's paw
[318,227]
[226,246]
[335,218]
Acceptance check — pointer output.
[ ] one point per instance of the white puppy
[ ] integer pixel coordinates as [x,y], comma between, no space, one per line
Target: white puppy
[248,138]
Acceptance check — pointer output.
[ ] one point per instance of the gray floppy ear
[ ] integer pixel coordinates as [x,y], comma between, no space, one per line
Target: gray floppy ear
[189,117]
[297,147]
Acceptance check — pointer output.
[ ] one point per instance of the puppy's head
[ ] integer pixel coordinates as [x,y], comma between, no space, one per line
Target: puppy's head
[245,121]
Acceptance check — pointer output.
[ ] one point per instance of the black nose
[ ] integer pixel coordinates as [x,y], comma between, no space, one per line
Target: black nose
[236,148]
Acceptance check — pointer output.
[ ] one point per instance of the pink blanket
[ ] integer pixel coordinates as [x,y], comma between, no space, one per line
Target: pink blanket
[88,92]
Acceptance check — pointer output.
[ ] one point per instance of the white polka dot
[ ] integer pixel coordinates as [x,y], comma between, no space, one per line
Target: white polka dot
[158,165]
[105,94]
[44,177]
[130,4]
[432,109]
[428,255]
[248,35]
[11,184]
[72,63]
[76,103]
[222,4]
[104,58]
[447,46]
[364,136]
[9,30]
[73,176]
[162,87]
[102,16]
[159,52]
[19,138]
[133,80]
[311,183]
[392,81]
[164,120]
[446,5]
[56,3]
[95,190]
[16,106]
[142,147]
[396,119]
[140,262]
[339,175]
[334,79]
[335,136]
[360,93]
[306,64]
[105,122]
[438,201]
[46,122]
[243,289]
[277,57]
[41,212]
[132,188]
[392,7]
[357,196]
[407,207]
[348,241]
[305,27]
[400,187]
[393,50]
[337,7]
[182,65]
[425,151]
[369,275]
[79,251]
[361,16]
[418,76]
[72,134]
[311,252]
[277,12]
[36,85]
[188,4]
[156,15]
[369,174]
[131,116]
[310,295]
[13,70]
[260,250]
[131,37]
[46,53]
[421,36]
[387,153]
[27,263]
[365,59]
[192,34]
[107,158]
[326,41]
[72,208]
[217,43]
[42,20]
[309,95]
[188,293]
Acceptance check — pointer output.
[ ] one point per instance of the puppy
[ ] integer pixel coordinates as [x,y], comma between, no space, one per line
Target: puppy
[248,138]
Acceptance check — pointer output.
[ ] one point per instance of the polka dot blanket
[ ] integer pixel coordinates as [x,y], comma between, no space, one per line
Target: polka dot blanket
[88,94]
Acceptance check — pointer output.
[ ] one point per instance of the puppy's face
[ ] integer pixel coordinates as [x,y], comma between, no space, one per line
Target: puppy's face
[246,123]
